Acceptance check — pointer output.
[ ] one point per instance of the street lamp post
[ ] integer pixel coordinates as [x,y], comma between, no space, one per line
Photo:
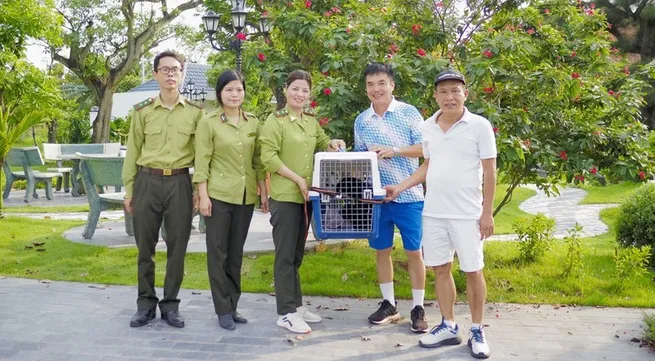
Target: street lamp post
[239,12]
[189,90]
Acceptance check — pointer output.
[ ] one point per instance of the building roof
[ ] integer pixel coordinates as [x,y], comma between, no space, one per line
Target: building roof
[193,72]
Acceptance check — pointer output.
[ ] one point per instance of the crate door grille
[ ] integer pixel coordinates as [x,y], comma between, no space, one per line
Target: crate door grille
[351,179]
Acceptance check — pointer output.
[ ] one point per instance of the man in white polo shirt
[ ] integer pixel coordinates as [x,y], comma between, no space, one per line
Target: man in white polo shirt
[460,156]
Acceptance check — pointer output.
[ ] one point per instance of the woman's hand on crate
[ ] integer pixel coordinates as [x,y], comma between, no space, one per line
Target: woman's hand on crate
[336,145]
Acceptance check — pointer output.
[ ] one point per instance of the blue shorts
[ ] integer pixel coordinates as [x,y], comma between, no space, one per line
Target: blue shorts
[408,217]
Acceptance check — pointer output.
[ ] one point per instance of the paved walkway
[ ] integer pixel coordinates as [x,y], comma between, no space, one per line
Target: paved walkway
[82,322]
[564,209]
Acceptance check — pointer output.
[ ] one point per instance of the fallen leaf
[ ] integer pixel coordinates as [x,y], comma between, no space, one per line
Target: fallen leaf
[37,244]
[428,304]
[290,342]
[28,247]
[617,336]
[326,317]
[344,278]
[399,344]
[272,285]
[47,217]
[364,338]
[570,333]
[300,338]
[47,282]
[195,293]
[271,294]
[634,339]
[40,249]
[84,274]
[252,256]
[97,287]
[341,308]
[513,354]
[320,247]
[308,303]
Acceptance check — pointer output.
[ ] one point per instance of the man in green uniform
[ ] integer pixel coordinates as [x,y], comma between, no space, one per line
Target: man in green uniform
[160,150]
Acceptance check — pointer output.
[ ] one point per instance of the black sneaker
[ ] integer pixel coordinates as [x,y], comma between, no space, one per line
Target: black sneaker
[418,320]
[386,313]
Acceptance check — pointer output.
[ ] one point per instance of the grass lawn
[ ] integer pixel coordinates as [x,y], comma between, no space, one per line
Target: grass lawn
[612,193]
[39,209]
[344,270]
[510,212]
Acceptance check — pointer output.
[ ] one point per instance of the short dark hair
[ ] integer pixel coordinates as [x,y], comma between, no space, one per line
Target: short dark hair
[376,68]
[168,54]
[226,77]
[299,75]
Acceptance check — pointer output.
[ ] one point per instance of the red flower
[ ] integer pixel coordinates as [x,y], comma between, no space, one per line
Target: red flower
[308,4]
[421,52]
[393,48]
[323,122]
[611,92]
[327,14]
[326,73]
[416,28]
[563,155]
[527,143]
[609,26]
[642,174]
[439,4]
[487,53]
[575,75]
[348,30]
[626,71]
[614,50]
[593,170]
[574,54]
[261,57]
[241,36]
[313,104]
[265,14]
[336,10]
[592,5]
[388,56]
[547,11]
[531,31]
[488,90]
[579,178]
[327,91]
[496,130]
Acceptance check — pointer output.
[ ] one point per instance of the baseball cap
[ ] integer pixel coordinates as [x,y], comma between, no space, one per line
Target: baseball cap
[449,74]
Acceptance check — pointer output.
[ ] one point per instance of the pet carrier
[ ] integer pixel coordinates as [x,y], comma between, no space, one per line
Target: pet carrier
[346,195]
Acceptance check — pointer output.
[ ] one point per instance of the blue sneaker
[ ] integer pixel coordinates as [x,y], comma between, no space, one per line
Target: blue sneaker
[441,335]
[478,343]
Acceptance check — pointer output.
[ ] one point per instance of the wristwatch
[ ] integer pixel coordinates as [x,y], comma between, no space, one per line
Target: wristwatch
[396,151]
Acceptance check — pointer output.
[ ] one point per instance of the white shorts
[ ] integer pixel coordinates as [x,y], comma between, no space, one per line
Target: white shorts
[443,237]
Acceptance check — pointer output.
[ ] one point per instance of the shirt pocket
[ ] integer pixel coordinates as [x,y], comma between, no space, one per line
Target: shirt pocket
[184,135]
[153,136]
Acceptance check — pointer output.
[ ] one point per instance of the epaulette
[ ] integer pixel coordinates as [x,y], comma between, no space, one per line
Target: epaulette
[144,104]
[249,115]
[281,113]
[309,111]
[195,104]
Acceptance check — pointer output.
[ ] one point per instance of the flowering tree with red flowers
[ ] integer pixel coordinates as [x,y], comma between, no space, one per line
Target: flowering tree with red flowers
[564,107]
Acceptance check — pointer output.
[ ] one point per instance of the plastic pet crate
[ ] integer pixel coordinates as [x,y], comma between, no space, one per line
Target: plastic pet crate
[346,195]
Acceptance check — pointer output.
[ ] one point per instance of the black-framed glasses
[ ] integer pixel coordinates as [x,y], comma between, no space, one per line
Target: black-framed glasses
[167,70]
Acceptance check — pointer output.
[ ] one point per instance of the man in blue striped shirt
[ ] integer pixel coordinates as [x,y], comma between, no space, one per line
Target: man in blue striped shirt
[392,129]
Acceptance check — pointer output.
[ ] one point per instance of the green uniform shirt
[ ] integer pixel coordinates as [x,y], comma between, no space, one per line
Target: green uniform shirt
[228,157]
[160,138]
[287,140]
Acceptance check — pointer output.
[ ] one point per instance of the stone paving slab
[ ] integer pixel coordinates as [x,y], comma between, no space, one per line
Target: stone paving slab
[75,322]
[60,198]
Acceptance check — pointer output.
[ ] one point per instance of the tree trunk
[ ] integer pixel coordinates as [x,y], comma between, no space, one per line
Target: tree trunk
[280,97]
[2,184]
[102,121]
[52,131]
[646,38]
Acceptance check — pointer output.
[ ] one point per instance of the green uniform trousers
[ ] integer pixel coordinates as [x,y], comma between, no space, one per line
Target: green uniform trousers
[289,222]
[227,229]
[157,198]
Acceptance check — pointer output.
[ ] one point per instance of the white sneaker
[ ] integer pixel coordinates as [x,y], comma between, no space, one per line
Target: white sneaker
[294,323]
[478,343]
[307,316]
[441,335]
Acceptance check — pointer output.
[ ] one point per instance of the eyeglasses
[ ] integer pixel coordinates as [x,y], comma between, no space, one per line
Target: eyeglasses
[165,70]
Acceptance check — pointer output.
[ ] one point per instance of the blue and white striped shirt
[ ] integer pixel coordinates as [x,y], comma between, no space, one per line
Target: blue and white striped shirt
[398,127]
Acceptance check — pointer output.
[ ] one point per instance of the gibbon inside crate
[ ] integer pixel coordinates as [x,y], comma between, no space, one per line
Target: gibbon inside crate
[345,212]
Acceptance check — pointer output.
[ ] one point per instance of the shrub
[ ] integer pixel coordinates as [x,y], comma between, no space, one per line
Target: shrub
[636,222]
[649,329]
[534,235]
[573,252]
[631,262]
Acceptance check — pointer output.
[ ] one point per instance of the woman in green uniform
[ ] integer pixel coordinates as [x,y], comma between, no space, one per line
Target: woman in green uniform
[289,139]
[228,171]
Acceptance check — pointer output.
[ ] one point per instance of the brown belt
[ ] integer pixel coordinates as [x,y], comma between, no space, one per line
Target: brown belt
[164,172]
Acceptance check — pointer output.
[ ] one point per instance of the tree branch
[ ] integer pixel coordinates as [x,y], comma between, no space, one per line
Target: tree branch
[640,8]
